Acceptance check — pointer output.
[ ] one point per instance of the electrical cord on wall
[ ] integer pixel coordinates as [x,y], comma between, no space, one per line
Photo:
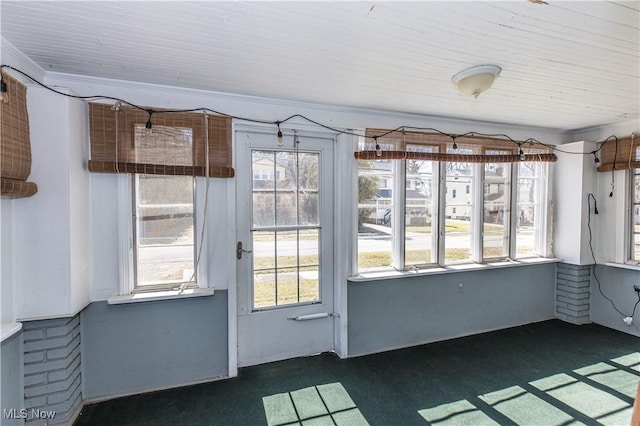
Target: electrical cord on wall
[453,137]
[595,211]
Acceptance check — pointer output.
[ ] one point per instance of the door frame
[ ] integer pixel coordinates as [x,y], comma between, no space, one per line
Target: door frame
[344,240]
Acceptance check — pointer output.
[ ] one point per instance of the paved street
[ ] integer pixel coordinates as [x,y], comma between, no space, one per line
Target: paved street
[372,243]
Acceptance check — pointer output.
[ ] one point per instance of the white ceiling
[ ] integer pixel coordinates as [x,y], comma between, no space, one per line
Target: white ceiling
[566,65]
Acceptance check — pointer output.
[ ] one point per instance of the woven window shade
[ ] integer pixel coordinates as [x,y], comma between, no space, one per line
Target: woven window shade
[399,145]
[175,146]
[626,157]
[15,146]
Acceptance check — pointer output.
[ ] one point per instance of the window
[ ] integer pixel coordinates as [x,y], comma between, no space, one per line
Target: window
[531,177]
[496,209]
[162,173]
[459,219]
[439,213]
[374,213]
[624,154]
[420,201]
[163,231]
[634,252]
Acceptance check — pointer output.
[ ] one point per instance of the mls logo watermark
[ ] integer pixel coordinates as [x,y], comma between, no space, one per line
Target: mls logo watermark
[34,413]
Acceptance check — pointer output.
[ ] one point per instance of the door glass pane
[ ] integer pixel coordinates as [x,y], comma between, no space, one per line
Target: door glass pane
[286,208]
[309,244]
[264,212]
[309,284]
[287,286]
[287,249]
[287,244]
[308,166]
[264,250]
[264,288]
[458,208]
[285,170]
[308,213]
[263,173]
[497,190]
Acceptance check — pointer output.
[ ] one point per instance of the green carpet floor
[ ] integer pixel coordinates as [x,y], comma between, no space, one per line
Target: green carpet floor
[549,373]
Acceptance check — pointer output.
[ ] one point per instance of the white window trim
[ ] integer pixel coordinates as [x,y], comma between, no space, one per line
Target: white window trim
[450,269]
[623,222]
[151,296]
[513,216]
[398,219]
[545,229]
[477,210]
[126,259]
[125,234]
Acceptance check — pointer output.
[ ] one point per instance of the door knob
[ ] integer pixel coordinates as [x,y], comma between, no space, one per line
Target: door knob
[240,250]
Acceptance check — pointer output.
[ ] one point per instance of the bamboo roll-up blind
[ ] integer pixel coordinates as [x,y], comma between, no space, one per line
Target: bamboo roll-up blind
[409,145]
[626,156]
[176,144]
[457,158]
[17,188]
[15,144]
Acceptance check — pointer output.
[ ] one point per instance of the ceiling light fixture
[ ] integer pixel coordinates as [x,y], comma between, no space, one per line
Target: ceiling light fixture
[475,80]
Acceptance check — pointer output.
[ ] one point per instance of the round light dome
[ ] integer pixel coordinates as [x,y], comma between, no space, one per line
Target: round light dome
[475,80]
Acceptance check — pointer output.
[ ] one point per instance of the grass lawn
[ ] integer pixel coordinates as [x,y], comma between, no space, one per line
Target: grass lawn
[283,261]
[417,257]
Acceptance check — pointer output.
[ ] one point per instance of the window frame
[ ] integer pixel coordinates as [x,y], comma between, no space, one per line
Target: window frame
[398,229]
[127,239]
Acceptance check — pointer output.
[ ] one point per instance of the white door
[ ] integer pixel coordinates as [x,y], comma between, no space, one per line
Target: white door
[285,247]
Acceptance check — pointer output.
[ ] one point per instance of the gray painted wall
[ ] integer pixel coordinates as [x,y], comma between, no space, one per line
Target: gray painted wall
[141,346]
[617,284]
[11,393]
[402,312]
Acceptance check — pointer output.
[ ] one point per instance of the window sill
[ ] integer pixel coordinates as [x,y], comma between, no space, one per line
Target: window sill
[633,267]
[9,329]
[467,267]
[159,295]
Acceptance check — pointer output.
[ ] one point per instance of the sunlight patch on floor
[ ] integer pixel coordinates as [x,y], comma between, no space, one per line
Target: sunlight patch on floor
[594,403]
[609,376]
[603,391]
[526,409]
[457,413]
[328,404]
[632,361]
